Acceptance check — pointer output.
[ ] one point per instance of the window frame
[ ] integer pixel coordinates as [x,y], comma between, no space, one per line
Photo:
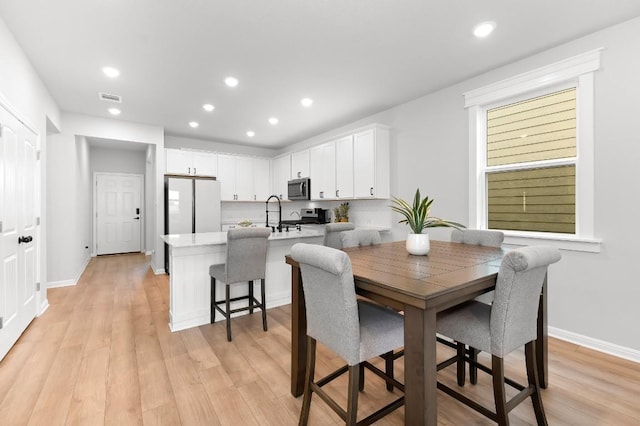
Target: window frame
[577,71]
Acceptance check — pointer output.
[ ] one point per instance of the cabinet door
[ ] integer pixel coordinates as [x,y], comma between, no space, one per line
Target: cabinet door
[300,164]
[244,179]
[344,167]
[227,177]
[316,172]
[281,175]
[178,161]
[364,164]
[205,164]
[261,181]
[322,168]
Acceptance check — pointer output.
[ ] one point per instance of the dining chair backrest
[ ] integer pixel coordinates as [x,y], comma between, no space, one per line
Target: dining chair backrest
[515,304]
[330,298]
[246,254]
[360,238]
[478,237]
[332,233]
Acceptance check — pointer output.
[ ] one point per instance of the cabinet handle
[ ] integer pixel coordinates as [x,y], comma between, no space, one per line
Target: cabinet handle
[281,197]
[337,191]
[299,175]
[194,171]
[371,191]
[321,194]
[188,170]
[255,197]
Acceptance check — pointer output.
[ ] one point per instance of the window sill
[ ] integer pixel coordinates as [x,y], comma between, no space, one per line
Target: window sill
[563,242]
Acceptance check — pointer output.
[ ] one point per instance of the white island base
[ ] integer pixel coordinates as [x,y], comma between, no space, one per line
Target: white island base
[190,256]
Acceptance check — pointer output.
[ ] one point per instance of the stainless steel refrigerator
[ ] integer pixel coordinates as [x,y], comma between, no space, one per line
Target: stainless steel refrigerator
[191,204]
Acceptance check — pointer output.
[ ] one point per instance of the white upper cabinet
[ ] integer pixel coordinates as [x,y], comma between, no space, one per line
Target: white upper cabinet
[194,163]
[262,183]
[243,178]
[344,167]
[281,173]
[371,163]
[322,170]
[300,164]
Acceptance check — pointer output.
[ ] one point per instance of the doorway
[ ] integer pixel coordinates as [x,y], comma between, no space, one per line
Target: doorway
[118,213]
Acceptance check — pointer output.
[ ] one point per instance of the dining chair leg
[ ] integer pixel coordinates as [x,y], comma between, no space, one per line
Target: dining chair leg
[228,313]
[497,367]
[311,367]
[352,399]
[473,370]
[264,305]
[250,297]
[388,366]
[460,348]
[213,300]
[361,379]
[532,377]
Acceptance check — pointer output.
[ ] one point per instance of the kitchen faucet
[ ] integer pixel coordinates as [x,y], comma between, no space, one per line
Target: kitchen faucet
[279,214]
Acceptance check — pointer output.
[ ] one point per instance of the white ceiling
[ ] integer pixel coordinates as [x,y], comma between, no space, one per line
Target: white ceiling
[353,57]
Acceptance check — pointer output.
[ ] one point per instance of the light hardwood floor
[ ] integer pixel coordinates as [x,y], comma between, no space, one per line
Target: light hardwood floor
[103,354]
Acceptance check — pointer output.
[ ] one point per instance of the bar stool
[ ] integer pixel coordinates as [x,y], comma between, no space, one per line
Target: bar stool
[501,328]
[332,233]
[246,261]
[356,330]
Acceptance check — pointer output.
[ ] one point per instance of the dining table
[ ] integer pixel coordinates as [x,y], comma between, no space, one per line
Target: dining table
[420,287]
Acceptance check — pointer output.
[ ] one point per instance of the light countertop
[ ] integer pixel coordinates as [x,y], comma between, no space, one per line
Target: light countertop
[218,238]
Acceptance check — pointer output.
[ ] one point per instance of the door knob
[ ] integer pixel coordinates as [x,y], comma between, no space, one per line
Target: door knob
[25,239]
[136,218]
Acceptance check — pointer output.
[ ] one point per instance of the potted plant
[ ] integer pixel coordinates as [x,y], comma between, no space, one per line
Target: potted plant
[344,212]
[417,216]
[336,214]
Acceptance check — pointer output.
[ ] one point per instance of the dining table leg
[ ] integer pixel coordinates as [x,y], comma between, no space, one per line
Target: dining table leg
[298,333]
[420,366]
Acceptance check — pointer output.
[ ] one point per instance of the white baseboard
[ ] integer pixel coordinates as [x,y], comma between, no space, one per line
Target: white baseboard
[148,253]
[74,281]
[43,307]
[158,271]
[595,344]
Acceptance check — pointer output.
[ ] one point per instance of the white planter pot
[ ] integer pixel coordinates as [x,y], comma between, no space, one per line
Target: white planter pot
[418,244]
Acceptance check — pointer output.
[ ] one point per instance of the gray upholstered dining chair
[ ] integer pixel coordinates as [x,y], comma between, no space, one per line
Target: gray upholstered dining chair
[360,238]
[476,237]
[332,233]
[502,327]
[356,330]
[246,261]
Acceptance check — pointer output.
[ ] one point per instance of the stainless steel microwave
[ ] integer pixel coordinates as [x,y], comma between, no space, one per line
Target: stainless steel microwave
[299,189]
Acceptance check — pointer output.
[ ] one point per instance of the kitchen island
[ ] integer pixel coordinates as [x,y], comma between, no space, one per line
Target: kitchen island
[190,256]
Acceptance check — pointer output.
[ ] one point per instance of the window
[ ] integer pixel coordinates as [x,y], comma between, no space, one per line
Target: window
[526,191]
[531,155]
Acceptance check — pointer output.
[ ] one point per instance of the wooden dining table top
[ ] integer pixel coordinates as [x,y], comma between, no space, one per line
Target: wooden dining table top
[436,280]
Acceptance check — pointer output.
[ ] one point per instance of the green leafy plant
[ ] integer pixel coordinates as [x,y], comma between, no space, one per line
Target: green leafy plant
[344,210]
[336,214]
[417,215]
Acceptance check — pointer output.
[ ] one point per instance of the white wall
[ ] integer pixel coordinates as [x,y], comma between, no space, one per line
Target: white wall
[68,209]
[595,296]
[22,89]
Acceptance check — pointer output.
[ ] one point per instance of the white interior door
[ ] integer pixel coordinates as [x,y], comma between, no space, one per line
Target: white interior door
[118,213]
[18,247]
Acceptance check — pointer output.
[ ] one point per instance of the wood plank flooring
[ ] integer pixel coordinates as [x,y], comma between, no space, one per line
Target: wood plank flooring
[103,354]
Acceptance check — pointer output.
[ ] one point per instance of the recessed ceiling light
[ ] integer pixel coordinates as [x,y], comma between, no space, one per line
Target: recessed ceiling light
[273,121]
[193,124]
[251,133]
[208,107]
[231,81]
[114,111]
[111,72]
[484,29]
[306,102]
